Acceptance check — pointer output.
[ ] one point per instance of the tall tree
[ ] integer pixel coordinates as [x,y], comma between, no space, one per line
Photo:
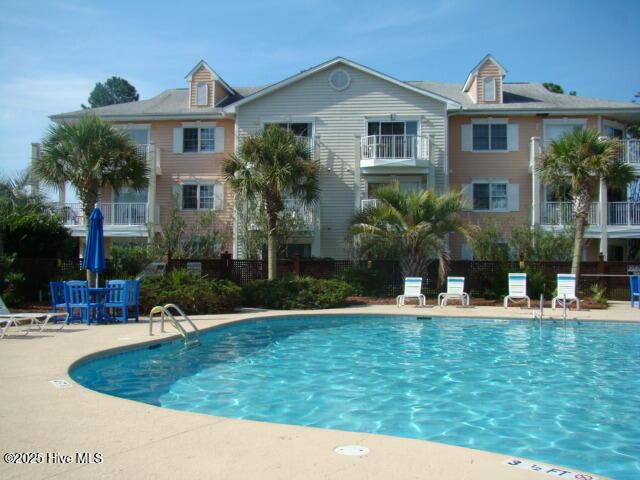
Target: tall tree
[578,161]
[114,90]
[90,154]
[413,225]
[269,167]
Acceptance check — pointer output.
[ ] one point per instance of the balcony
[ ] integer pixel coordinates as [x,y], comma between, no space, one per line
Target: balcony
[390,150]
[630,151]
[561,213]
[120,219]
[367,203]
[151,153]
[305,217]
[623,213]
[308,142]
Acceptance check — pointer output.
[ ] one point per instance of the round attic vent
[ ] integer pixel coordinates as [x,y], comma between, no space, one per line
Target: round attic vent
[339,79]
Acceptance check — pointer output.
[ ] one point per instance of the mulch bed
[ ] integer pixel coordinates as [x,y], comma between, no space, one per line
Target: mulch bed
[585,304]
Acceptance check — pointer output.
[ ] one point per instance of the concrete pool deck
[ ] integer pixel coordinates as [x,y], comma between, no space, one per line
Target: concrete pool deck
[137,440]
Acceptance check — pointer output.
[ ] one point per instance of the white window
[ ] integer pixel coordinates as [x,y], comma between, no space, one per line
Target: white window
[200,196]
[202,94]
[199,139]
[490,196]
[555,128]
[489,136]
[489,89]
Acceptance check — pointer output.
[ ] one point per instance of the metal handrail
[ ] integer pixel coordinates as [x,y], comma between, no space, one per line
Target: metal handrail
[165,313]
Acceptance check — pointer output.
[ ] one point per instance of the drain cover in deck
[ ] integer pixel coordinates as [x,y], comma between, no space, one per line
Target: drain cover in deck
[352,450]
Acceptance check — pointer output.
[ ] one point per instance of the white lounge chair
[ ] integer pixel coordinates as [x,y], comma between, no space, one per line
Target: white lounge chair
[39,319]
[566,289]
[412,289]
[455,291]
[517,289]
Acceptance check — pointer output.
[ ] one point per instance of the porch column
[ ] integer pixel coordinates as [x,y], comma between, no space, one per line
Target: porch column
[356,171]
[535,181]
[604,220]
[151,191]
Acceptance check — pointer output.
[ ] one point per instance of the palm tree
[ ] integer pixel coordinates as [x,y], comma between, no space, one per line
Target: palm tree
[269,167]
[413,225]
[578,161]
[90,154]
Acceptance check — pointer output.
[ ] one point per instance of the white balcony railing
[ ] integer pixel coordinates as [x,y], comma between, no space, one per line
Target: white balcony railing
[305,216]
[394,147]
[368,203]
[308,142]
[151,153]
[561,213]
[630,151]
[624,213]
[113,213]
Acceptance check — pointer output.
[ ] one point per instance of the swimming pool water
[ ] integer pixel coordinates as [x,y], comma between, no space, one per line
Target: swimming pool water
[564,393]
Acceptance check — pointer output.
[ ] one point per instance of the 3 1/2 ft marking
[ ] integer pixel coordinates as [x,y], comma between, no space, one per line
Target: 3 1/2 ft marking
[550,470]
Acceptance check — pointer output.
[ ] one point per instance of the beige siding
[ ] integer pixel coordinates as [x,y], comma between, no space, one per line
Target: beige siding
[201,76]
[514,166]
[180,167]
[339,118]
[473,90]
[489,69]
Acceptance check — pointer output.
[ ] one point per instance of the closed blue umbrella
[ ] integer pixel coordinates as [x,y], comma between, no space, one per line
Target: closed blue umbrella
[94,258]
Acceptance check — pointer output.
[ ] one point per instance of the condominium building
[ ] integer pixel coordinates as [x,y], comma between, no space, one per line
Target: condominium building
[367,129]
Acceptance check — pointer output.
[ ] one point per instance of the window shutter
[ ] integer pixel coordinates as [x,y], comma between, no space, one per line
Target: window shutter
[466,136]
[218,196]
[513,197]
[467,193]
[176,190]
[512,137]
[177,140]
[219,141]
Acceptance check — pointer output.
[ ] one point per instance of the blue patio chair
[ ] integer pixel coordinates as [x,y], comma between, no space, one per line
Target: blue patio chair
[133,297]
[77,299]
[116,300]
[57,296]
[634,289]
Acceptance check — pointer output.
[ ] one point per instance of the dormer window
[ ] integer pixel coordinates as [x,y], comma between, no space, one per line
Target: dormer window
[202,94]
[489,89]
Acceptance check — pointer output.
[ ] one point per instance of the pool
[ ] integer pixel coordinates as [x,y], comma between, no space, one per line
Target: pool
[563,393]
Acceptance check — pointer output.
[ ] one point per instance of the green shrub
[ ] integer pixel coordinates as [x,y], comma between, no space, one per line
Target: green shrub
[192,293]
[129,260]
[296,293]
[10,281]
[538,283]
[598,294]
[364,281]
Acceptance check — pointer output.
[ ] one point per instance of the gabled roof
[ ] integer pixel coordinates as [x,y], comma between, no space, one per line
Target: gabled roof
[215,76]
[474,70]
[330,63]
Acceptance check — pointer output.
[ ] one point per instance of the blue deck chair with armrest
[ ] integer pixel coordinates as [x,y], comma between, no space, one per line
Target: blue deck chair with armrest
[116,303]
[57,296]
[634,289]
[77,300]
[133,297]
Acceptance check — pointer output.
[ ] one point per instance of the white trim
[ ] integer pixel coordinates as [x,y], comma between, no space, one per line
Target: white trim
[199,126]
[474,71]
[214,76]
[561,121]
[446,185]
[199,182]
[490,181]
[339,60]
[490,121]
[206,94]
[330,79]
[484,89]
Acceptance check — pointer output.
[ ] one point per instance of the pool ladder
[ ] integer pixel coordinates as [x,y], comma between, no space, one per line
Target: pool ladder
[541,310]
[190,338]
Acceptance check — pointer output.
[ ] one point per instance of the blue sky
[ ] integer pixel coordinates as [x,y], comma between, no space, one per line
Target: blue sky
[52,53]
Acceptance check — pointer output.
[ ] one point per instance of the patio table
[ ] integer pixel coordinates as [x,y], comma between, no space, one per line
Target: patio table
[98,295]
